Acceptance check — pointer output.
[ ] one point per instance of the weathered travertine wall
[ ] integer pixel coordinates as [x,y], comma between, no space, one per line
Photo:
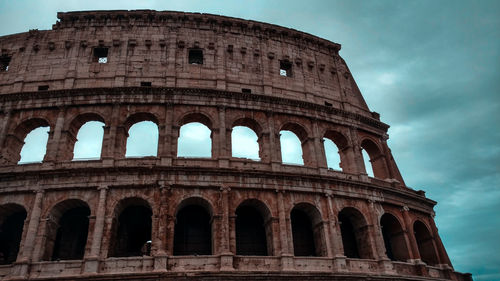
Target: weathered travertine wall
[318,100]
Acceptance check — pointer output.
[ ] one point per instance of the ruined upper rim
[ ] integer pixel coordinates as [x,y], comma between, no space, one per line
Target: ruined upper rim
[66,19]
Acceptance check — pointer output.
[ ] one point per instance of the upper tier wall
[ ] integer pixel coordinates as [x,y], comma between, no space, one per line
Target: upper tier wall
[150,46]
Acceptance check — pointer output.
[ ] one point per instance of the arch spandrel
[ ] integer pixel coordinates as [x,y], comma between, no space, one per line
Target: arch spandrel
[75,122]
[140,116]
[204,117]
[265,206]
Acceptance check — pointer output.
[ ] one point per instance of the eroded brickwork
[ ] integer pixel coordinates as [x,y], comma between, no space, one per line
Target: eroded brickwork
[123,67]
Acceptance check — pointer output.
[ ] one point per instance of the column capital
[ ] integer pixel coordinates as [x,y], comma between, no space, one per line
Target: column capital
[329,194]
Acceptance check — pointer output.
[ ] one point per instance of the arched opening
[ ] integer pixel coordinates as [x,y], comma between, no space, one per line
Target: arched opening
[425,243]
[142,140]
[83,138]
[374,160]
[35,145]
[355,234]
[394,238]
[244,143]
[368,164]
[307,231]
[195,140]
[12,218]
[193,229]
[89,141]
[132,229]
[334,145]
[253,232]
[291,148]
[67,230]
[332,154]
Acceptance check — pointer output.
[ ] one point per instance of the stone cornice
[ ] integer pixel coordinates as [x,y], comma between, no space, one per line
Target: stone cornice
[111,173]
[164,95]
[196,20]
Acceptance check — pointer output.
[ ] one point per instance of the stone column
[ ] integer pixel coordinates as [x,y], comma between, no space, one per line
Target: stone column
[27,249]
[232,234]
[319,149]
[414,253]
[109,139]
[54,138]
[274,145]
[158,233]
[223,151]
[325,227]
[92,261]
[378,242]
[220,62]
[286,243]
[3,127]
[29,243]
[339,262]
[226,256]
[283,234]
[170,225]
[165,142]
[391,173]
[171,49]
[385,264]
[359,165]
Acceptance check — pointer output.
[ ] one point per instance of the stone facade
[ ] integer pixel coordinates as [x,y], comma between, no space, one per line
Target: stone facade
[123,67]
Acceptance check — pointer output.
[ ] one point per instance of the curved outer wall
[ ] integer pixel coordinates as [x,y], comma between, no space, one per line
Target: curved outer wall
[239,83]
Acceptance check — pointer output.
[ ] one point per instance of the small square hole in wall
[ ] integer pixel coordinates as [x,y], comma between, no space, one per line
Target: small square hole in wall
[145,84]
[43,87]
[285,68]
[327,103]
[4,63]
[246,91]
[195,56]
[101,55]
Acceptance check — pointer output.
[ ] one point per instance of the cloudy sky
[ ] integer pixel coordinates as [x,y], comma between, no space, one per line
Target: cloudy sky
[430,68]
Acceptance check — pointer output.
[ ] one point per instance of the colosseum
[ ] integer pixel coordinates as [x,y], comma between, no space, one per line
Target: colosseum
[173,215]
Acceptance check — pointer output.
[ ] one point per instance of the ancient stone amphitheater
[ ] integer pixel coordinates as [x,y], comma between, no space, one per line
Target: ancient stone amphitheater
[172,217]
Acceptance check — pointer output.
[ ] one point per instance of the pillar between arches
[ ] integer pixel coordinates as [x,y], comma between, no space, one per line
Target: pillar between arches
[165,147]
[110,138]
[25,256]
[54,141]
[3,127]
[92,261]
[414,253]
[226,256]
[376,232]
[339,259]
[159,232]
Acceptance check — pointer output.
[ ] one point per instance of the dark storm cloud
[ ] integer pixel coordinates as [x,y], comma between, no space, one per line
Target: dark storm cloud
[431,68]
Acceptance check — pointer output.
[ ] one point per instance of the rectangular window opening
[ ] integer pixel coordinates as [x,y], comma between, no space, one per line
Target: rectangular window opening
[43,87]
[195,56]
[246,91]
[285,68]
[145,84]
[101,55]
[4,63]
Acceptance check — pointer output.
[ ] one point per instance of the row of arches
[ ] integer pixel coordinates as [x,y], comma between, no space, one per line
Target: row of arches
[84,137]
[67,228]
